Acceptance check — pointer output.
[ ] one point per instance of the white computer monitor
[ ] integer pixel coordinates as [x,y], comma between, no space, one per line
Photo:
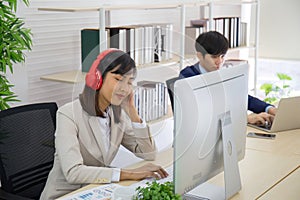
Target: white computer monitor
[210,110]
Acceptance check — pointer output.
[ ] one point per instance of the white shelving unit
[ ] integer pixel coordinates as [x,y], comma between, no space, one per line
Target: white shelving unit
[210,7]
[102,10]
[212,10]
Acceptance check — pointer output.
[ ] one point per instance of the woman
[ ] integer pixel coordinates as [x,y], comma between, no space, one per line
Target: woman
[90,130]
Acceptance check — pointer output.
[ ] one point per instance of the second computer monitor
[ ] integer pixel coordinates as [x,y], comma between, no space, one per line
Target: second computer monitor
[206,105]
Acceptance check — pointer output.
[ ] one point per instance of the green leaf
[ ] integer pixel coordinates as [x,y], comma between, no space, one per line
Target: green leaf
[271,100]
[282,76]
[267,88]
[26,2]
[276,89]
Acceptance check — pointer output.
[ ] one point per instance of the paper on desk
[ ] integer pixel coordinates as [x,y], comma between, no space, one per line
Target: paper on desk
[102,192]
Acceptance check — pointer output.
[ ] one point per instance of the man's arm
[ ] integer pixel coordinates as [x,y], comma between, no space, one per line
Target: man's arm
[256,105]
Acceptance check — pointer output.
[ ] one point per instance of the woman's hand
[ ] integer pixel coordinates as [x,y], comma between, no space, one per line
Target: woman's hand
[146,171]
[260,119]
[128,106]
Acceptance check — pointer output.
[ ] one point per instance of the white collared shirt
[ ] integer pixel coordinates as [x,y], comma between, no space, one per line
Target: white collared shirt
[105,135]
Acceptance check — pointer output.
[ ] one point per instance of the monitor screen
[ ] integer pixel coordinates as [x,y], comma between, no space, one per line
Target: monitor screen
[200,102]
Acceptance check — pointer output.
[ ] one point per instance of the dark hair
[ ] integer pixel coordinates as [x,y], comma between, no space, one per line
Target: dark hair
[89,97]
[211,42]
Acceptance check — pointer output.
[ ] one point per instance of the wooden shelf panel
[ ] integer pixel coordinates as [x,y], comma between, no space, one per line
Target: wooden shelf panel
[74,76]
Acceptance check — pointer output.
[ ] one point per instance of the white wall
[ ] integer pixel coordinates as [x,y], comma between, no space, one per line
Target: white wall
[279,35]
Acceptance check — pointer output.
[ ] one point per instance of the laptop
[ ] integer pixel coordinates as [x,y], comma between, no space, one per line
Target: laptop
[287,116]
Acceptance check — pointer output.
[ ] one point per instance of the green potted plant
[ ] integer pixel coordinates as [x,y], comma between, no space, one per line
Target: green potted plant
[157,191]
[275,91]
[14,40]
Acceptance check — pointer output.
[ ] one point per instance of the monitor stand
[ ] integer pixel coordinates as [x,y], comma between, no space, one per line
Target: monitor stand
[207,191]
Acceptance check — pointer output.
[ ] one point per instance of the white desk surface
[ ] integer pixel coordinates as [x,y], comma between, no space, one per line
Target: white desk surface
[285,143]
[259,172]
[269,167]
[288,188]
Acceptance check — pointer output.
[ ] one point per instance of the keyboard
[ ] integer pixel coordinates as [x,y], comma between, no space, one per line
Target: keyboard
[262,127]
[266,126]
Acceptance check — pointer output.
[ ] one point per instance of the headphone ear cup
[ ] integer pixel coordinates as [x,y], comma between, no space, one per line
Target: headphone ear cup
[93,78]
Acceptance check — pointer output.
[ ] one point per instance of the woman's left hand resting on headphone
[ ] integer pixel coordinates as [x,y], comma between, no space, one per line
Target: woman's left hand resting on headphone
[130,109]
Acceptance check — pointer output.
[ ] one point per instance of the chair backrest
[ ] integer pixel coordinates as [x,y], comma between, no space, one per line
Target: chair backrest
[170,85]
[27,148]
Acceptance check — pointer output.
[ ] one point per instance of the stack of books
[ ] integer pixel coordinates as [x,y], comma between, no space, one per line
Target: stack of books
[144,43]
[151,99]
[231,27]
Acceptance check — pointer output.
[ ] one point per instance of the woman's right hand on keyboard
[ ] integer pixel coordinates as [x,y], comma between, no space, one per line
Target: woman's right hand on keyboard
[146,171]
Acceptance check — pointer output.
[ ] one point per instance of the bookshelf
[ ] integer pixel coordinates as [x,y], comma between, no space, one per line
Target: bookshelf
[103,18]
[250,14]
[207,9]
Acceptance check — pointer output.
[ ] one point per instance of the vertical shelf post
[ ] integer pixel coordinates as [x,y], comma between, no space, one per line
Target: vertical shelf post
[102,36]
[256,45]
[211,14]
[182,34]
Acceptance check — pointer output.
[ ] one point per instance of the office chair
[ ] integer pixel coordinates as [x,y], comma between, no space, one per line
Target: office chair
[26,149]
[170,85]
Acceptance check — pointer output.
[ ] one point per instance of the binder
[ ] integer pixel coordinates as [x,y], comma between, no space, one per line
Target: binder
[89,48]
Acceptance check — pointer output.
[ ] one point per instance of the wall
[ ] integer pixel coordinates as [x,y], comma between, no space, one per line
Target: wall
[279,29]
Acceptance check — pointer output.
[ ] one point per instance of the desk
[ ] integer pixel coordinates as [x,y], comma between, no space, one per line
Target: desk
[259,172]
[286,142]
[290,184]
[265,171]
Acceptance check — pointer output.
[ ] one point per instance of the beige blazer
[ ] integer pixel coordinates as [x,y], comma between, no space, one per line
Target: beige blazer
[80,157]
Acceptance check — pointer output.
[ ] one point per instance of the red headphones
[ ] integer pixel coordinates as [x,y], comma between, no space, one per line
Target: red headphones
[93,78]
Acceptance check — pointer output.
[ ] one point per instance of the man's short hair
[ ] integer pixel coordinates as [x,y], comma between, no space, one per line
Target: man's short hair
[211,42]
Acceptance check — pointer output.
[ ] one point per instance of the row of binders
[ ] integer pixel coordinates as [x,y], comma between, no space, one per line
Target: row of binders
[151,99]
[145,43]
[231,27]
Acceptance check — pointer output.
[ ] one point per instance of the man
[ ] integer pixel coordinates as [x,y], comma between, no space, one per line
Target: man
[211,49]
